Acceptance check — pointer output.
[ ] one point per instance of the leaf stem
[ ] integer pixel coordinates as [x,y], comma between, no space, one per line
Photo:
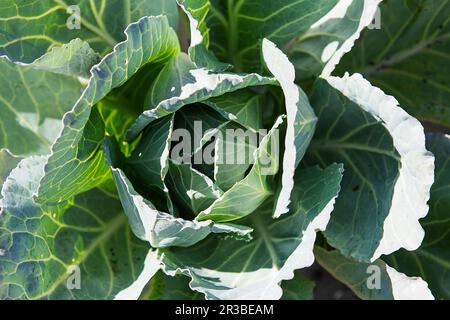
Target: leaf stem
[232,34]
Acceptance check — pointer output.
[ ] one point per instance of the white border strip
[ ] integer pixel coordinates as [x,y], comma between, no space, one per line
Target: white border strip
[283,70]
[407,288]
[369,11]
[152,265]
[412,190]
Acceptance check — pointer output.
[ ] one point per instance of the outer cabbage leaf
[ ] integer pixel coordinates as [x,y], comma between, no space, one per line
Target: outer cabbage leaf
[29,29]
[74,59]
[8,161]
[383,151]
[77,163]
[408,57]
[432,260]
[44,248]
[376,281]
[164,287]
[237,27]
[151,266]
[299,288]
[34,97]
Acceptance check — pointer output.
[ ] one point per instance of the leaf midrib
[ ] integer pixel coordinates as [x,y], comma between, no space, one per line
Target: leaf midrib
[101,32]
[109,229]
[30,126]
[430,256]
[402,56]
[264,233]
[322,144]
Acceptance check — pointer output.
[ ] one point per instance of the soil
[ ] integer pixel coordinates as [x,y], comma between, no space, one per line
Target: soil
[327,287]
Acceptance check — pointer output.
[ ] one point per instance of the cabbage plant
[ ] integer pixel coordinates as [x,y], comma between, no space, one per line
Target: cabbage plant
[207,149]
